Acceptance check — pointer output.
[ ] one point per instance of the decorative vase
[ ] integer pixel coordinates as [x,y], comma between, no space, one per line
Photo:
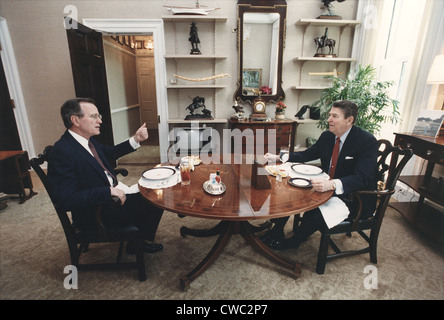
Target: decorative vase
[280,115]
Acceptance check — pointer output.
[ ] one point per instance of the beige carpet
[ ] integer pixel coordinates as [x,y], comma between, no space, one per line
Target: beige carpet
[146,154]
[33,254]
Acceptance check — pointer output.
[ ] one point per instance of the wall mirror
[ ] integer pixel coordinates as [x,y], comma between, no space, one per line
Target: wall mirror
[260,40]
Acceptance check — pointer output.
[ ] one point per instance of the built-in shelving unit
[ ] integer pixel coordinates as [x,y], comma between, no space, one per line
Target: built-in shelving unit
[195,86]
[303,59]
[177,61]
[327,22]
[189,18]
[193,57]
[338,59]
[214,121]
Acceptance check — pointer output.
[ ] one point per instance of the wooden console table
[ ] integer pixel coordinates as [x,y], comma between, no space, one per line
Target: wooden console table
[14,174]
[426,216]
[285,132]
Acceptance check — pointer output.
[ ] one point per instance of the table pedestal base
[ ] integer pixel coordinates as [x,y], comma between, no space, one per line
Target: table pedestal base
[225,229]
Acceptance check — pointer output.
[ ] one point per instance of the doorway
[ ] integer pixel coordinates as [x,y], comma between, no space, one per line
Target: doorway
[145,27]
[15,92]
[130,73]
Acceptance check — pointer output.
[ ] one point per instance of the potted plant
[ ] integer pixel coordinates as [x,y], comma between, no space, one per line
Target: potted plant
[280,110]
[374,104]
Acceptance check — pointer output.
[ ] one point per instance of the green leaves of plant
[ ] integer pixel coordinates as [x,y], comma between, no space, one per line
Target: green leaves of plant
[375,106]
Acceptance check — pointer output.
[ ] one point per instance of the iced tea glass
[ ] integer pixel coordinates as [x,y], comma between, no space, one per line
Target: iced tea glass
[185,175]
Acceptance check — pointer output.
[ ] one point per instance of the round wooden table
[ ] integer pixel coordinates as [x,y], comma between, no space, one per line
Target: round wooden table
[234,209]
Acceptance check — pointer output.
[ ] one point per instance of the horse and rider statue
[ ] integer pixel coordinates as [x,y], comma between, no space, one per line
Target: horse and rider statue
[198,102]
[322,42]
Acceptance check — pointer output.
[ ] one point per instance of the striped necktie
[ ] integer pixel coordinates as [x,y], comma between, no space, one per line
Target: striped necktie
[96,155]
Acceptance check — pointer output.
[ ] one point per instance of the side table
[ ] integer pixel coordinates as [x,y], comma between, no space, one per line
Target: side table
[14,174]
[426,216]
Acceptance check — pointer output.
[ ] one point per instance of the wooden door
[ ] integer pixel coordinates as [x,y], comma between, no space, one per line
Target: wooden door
[89,73]
[9,136]
[147,91]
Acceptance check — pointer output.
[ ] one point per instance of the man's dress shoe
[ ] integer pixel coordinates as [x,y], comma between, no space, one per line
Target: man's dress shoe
[148,247]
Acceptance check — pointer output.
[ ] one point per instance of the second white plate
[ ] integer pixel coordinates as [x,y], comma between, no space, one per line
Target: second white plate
[306,169]
[158,173]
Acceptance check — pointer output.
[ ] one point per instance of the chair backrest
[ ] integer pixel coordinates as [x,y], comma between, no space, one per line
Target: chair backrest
[385,150]
[36,164]
[386,186]
[387,175]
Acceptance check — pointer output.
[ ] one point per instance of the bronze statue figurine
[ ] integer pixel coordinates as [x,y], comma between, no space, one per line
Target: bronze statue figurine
[194,39]
[322,42]
[330,15]
[198,102]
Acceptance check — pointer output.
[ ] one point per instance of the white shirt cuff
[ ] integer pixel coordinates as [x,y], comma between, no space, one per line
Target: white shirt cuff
[133,143]
[339,186]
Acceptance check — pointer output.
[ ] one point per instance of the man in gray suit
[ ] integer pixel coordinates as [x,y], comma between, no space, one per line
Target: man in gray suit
[354,170]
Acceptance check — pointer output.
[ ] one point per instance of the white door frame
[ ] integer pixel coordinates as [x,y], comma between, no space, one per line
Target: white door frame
[15,89]
[145,26]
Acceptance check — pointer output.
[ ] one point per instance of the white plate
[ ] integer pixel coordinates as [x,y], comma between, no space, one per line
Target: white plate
[158,173]
[300,182]
[274,170]
[271,170]
[306,169]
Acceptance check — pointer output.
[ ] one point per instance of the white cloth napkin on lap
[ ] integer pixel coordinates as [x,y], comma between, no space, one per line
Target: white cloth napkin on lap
[128,190]
[334,211]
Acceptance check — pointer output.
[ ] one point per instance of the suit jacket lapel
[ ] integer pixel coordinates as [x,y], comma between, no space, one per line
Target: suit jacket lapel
[102,156]
[82,152]
[348,145]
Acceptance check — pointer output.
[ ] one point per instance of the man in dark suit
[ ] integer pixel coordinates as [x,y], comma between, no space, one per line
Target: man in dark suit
[80,175]
[356,155]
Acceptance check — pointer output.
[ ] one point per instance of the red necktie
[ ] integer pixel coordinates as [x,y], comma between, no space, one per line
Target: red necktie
[334,158]
[96,155]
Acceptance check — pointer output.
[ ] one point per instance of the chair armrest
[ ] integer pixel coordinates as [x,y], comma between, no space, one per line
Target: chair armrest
[375,192]
[121,171]
[357,195]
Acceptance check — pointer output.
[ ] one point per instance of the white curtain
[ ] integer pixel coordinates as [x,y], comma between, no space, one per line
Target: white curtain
[400,39]
[377,43]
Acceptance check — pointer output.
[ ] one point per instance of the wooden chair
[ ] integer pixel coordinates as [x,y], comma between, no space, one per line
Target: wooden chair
[78,241]
[386,187]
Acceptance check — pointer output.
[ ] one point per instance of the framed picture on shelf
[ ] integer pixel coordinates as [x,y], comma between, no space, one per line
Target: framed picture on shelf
[139,44]
[251,79]
[428,123]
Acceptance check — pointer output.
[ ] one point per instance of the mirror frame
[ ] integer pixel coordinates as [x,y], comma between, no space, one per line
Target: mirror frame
[261,6]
